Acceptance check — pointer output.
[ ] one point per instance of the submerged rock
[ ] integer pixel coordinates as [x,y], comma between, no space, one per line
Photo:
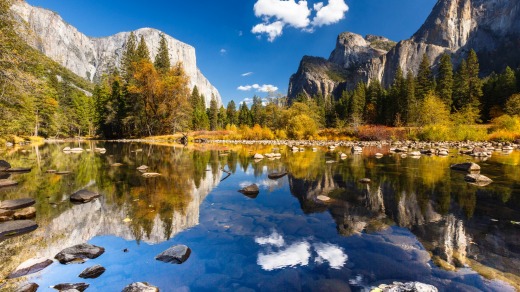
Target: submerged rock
[140,287]
[29,287]
[151,174]
[477,178]
[27,213]
[406,287]
[19,169]
[142,167]
[92,272]
[276,175]
[258,156]
[63,172]
[365,180]
[15,228]
[17,204]
[83,196]
[468,166]
[177,254]
[30,267]
[4,165]
[323,198]
[72,287]
[80,251]
[7,183]
[250,191]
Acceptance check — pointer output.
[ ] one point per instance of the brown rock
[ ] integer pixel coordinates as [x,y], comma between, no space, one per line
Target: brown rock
[27,213]
[15,228]
[29,287]
[7,183]
[83,196]
[17,204]
[30,267]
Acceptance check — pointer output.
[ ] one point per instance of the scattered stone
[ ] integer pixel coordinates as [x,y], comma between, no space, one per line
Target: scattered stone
[415,154]
[29,287]
[250,191]
[4,165]
[18,169]
[71,287]
[151,174]
[92,272]
[76,150]
[343,155]
[295,149]
[100,150]
[258,156]
[51,171]
[443,153]
[323,198]
[63,172]
[177,254]
[356,150]
[17,204]
[30,267]
[276,175]
[467,166]
[83,196]
[27,213]
[66,149]
[80,251]
[332,147]
[477,178]
[140,287]
[142,167]
[9,144]
[4,175]
[314,149]
[7,183]
[117,164]
[379,155]
[15,228]
[408,287]
[365,180]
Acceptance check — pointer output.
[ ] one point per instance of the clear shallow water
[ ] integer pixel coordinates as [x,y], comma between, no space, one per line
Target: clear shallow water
[413,211]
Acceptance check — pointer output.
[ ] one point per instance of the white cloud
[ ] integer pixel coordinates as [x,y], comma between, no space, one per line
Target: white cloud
[258,88]
[223,51]
[247,74]
[277,14]
[240,33]
[273,30]
[330,14]
[286,11]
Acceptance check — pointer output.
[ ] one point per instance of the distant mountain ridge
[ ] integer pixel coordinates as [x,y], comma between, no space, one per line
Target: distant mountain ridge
[89,57]
[490,27]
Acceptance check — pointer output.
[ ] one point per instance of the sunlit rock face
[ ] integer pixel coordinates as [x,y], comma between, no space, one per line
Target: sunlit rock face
[90,57]
[490,27]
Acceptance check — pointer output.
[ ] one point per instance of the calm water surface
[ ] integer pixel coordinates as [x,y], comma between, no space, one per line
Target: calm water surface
[414,216]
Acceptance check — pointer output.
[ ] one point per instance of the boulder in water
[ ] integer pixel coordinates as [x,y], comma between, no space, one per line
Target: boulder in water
[17,204]
[7,183]
[29,287]
[92,272]
[467,166]
[477,178]
[15,228]
[250,191]
[79,252]
[71,287]
[140,287]
[27,213]
[4,165]
[30,267]
[177,254]
[83,196]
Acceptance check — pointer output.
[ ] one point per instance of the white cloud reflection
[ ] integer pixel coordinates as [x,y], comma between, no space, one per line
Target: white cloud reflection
[297,253]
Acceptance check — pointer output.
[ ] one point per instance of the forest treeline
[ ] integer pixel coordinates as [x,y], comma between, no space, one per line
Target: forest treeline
[146,97]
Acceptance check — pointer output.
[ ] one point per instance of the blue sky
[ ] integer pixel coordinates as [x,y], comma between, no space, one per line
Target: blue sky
[221,31]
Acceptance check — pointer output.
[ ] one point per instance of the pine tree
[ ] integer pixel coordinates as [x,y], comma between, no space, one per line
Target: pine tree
[142,52]
[410,111]
[424,78]
[506,85]
[244,115]
[162,59]
[231,113]
[213,114]
[357,104]
[461,82]
[257,111]
[396,100]
[200,119]
[222,117]
[129,56]
[445,80]
[475,84]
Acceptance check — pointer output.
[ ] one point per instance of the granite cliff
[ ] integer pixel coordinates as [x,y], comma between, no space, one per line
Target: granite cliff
[90,57]
[490,27]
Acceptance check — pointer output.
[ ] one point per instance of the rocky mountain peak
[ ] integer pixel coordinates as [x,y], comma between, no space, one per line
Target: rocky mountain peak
[91,57]
[490,27]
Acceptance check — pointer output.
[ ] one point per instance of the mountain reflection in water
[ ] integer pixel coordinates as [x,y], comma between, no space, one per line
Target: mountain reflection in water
[414,213]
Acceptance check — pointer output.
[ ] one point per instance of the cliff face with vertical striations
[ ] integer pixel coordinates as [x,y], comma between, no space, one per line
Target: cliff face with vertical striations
[490,27]
[90,57]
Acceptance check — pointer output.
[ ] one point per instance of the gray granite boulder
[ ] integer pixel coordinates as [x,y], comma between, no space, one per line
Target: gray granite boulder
[177,254]
[79,252]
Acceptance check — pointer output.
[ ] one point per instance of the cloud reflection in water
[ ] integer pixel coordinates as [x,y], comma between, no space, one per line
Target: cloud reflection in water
[297,253]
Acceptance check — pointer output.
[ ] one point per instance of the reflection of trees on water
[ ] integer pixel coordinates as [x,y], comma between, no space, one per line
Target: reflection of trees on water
[451,218]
